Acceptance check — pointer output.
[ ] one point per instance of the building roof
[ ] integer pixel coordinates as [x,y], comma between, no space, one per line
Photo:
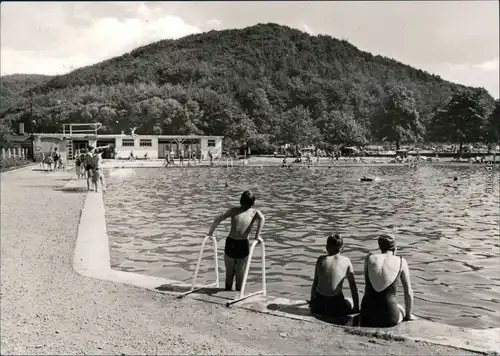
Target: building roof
[20,138]
[89,135]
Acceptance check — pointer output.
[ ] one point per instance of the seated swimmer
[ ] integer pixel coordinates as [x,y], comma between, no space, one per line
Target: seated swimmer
[327,298]
[237,245]
[379,307]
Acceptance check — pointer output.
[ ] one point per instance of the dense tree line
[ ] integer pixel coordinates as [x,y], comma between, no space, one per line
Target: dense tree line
[265,84]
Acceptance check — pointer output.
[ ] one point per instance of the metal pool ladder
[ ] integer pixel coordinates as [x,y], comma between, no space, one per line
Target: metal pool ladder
[263,291]
[242,295]
[216,283]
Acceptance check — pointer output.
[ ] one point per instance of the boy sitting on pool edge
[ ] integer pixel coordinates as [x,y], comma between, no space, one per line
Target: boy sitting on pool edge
[237,245]
[327,298]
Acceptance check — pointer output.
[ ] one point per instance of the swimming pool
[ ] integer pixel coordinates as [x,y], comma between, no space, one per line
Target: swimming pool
[448,231]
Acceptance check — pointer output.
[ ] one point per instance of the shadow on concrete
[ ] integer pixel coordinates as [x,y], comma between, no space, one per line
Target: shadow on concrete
[47,186]
[184,289]
[71,189]
[300,310]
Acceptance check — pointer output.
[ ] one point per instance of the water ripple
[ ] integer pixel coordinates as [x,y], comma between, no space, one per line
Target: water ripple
[448,231]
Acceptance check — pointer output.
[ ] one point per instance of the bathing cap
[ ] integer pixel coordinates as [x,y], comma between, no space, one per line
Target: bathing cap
[387,242]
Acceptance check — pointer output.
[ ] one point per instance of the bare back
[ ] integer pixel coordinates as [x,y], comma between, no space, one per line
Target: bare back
[331,272]
[383,269]
[241,222]
[97,160]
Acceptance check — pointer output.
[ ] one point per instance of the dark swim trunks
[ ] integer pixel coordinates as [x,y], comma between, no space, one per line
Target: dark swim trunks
[332,306]
[89,167]
[237,249]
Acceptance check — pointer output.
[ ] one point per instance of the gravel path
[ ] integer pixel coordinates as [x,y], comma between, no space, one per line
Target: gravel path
[46,308]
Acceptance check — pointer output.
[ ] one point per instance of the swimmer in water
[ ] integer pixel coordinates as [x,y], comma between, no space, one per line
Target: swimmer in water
[237,245]
[331,270]
[455,179]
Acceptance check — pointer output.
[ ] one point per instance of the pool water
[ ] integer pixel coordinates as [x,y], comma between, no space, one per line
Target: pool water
[448,231]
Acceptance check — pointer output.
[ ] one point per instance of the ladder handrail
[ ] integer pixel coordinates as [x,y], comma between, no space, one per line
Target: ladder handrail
[195,276]
[263,291]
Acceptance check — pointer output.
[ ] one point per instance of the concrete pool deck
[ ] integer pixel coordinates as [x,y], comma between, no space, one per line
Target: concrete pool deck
[92,259]
[48,309]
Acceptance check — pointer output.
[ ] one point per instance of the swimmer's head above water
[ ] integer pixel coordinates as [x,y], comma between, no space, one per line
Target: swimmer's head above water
[334,244]
[247,199]
[387,242]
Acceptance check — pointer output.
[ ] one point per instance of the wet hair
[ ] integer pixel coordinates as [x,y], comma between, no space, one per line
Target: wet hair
[247,199]
[387,242]
[334,243]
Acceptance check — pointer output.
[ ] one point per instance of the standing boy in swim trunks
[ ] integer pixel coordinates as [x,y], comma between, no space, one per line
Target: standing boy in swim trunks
[237,245]
[56,156]
[327,298]
[97,174]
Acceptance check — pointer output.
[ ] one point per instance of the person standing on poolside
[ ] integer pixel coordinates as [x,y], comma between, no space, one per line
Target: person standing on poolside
[327,298]
[237,245]
[88,163]
[172,155]
[193,156]
[97,174]
[189,155]
[56,156]
[181,156]
[168,157]
[78,164]
[211,157]
[379,307]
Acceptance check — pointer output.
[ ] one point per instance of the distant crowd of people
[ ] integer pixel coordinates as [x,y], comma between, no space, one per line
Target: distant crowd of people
[52,161]
[189,155]
[382,272]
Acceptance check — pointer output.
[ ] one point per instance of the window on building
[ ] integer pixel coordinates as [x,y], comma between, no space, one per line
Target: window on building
[128,142]
[145,143]
[211,143]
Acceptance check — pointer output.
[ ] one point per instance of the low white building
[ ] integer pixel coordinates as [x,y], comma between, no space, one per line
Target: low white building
[155,146]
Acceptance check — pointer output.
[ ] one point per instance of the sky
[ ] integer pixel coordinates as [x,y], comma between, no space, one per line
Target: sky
[458,40]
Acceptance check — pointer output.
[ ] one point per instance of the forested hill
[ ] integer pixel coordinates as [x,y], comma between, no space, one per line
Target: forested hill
[14,85]
[251,84]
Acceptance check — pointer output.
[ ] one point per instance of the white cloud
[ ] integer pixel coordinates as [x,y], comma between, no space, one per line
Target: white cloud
[308,29]
[101,39]
[214,22]
[490,66]
[485,74]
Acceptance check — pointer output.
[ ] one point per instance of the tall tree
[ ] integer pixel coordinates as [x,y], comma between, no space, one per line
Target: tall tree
[397,119]
[462,119]
[297,127]
[341,127]
[492,133]
[5,133]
